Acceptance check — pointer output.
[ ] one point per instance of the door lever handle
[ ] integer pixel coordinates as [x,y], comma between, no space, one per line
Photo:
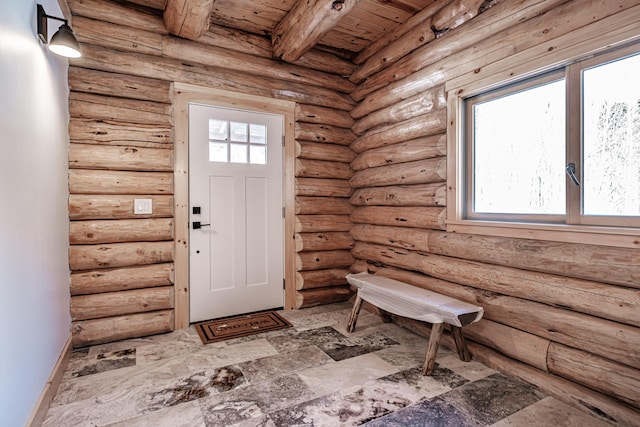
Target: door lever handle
[198,225]
[571,171]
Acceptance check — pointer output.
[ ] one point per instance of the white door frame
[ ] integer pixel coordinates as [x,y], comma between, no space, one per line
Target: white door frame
[183,94]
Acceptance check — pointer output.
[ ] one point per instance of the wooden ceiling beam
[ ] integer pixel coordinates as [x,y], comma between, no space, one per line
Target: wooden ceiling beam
[305,24]
[188,19]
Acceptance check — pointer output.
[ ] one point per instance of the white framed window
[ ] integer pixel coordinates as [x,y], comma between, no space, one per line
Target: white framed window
[237,142]
[558,151]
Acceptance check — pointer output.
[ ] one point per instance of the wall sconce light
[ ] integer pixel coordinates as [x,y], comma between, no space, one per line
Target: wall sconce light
[63,42]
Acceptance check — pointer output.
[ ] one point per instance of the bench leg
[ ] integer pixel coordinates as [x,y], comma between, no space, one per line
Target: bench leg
[461,344]
[353,318]
[432,348]
[386,317]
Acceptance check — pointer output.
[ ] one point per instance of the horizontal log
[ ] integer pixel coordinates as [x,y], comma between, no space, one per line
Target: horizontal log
[121,279]
[419,19]
[322,151]
[322,296]
[407,72]
[119,13]
[424,171]
[607,264]
[116,206]
[154,4]
[411,40]
[455,14]
[92,232]
[609,339]
[84,181]
[96,131]
[99,331]
[598,299]
[323,116]
[323,259]
[416,149]
[329,62]
[587,400]
[89,156]
[322,169]
[240,41]
[112,255]
[189,51]
[323,133]
[415,217]
[519,345]
[323,241]
[321,223]
[322,187]
[426,125]
[403,195]
[100,107]
[611,378]
[425,102]
[321,278]
[323,206]
[101,33]
[169,69]
[84,307]
[122,85]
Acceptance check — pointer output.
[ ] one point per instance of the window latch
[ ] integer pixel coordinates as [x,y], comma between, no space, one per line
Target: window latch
[571,171]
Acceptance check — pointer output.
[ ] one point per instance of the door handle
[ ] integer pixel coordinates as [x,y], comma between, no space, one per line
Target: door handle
[197,225]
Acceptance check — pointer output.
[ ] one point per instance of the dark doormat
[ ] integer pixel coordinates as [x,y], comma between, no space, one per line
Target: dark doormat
[240,326]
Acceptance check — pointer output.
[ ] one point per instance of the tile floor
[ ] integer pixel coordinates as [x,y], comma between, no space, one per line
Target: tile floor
[315,374]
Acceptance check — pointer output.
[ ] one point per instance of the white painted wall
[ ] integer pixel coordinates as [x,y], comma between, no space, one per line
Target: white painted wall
[34,267]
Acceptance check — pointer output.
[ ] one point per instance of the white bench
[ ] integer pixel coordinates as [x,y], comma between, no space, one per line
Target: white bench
[392,296]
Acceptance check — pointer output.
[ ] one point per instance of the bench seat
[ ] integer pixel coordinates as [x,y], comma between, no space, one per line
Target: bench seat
[416,303]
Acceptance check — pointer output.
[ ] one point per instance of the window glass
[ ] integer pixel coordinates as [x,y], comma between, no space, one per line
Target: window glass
[257,134]
[239,132]
[519,152]
[218,151]
[611,138]
[218,129]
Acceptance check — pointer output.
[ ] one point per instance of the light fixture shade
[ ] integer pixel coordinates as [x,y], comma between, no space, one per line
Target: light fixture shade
[64,43]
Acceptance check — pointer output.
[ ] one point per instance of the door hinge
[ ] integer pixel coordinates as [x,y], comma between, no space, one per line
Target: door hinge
[283,140]
[284,283]
[283,211]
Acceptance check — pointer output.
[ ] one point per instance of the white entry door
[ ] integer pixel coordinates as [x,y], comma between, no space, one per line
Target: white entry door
[235,194]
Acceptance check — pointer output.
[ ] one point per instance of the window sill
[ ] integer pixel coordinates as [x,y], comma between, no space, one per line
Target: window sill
[605,236]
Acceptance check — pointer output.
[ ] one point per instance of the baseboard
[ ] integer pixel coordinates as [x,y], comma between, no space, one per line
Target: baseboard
[50,388]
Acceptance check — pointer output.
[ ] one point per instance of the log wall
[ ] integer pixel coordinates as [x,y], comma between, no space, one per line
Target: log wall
[562,316]
[121,132]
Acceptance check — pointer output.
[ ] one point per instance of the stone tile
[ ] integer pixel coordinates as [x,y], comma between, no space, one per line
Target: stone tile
[345,408]
[550,412]
[493,398]
[194,387]
[101,362]
[472,370]
[254,401]
[356,346]
[431,413]
[184,415]
[336,376]
[294,340]
[206,357]
[271,367]
[99,410]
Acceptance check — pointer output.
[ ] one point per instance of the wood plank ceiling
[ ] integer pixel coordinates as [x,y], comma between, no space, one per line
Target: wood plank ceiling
[342,27]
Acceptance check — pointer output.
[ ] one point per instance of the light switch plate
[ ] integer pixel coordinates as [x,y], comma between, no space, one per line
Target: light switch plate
[142,206]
